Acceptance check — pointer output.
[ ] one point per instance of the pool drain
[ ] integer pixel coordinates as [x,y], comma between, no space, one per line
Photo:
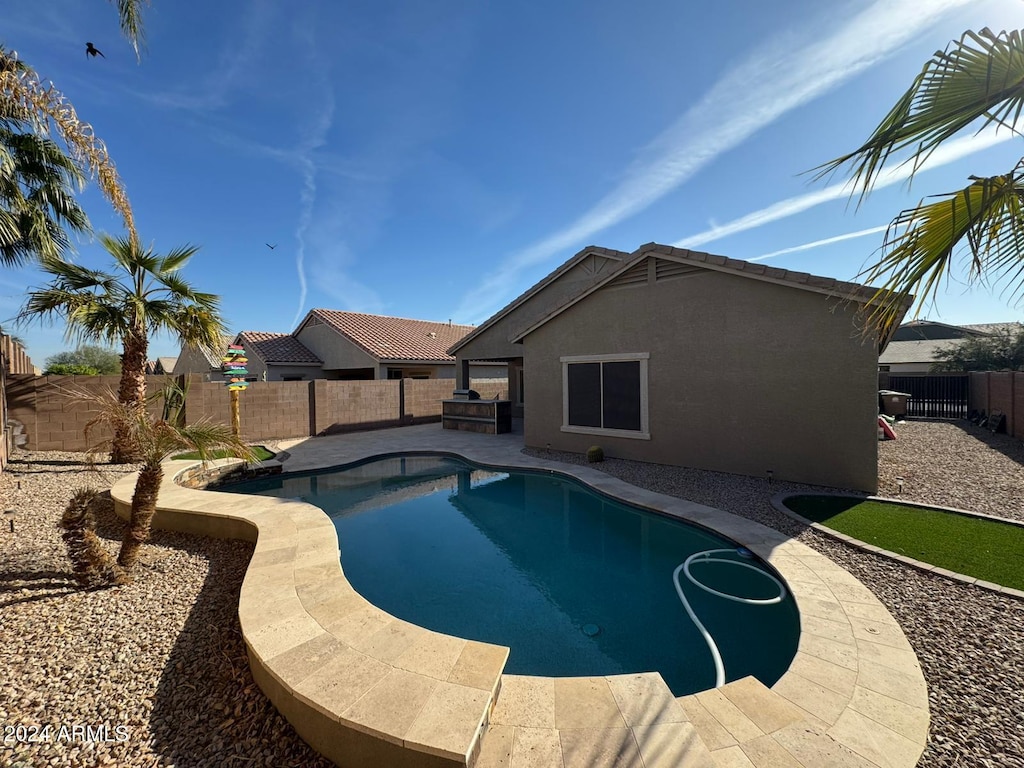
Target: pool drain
[706,557]
[591,630]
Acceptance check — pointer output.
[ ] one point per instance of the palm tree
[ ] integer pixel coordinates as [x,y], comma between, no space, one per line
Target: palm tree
[144,295]
[40,108]
[36,200]
[156,439]
[979,77]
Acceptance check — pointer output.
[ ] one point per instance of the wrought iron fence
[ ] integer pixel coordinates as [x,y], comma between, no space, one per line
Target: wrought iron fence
[933,394]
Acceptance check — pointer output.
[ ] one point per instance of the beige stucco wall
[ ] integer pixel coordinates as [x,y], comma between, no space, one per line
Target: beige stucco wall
[744,376]
[335,350]
[191,360]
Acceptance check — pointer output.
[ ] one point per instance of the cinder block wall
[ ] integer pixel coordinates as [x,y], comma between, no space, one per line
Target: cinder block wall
[977,392]
[46,417]
[999,391]
[422,401]
[49,414]
[266,409]
[490,389]
[343,406]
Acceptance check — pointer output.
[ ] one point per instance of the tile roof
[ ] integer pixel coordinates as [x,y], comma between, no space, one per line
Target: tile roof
[1012,327]
[277,348]
[394,338]
[213,357]
[922,351]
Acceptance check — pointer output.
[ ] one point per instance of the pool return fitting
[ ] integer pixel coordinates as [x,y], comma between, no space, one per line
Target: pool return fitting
[706,557]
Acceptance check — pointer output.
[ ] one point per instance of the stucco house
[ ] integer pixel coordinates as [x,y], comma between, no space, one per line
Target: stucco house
[914,344]
[330,344]
[202,362]
[353,345]
[671,356]
[278,357]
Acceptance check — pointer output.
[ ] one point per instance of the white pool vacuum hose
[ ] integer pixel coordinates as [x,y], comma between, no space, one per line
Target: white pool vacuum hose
[706,557]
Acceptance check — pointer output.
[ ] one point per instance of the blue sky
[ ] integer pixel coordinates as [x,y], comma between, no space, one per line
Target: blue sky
[433,160]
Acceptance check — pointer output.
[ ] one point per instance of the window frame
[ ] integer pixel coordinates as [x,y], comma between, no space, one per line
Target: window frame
[644,432]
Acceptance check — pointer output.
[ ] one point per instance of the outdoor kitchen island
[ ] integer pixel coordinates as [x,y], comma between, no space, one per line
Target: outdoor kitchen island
[467,412]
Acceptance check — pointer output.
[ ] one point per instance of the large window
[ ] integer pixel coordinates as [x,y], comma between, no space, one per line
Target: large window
[605,395]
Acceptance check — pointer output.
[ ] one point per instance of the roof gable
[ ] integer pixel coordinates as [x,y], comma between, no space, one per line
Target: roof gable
[597,262]
[671,262]
[392,338]
[277,348]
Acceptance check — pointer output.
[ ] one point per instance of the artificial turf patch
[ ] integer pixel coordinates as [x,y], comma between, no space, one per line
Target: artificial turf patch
[985,549]
[262,454]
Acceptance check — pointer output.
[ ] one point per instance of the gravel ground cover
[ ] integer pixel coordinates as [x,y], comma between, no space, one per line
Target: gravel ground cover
[153,673]
[156,670]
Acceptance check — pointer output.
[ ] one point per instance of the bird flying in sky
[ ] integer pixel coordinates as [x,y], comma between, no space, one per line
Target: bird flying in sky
[271,247]
[92,50]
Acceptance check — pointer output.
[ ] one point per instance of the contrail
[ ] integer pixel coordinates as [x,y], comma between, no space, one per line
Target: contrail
[826,241]
[777,79]
[943,155]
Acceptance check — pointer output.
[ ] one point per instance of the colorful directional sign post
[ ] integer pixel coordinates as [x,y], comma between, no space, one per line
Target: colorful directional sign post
[232,365]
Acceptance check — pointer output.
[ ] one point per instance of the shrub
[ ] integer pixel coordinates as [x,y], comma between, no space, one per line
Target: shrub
[595,453]
[70,369]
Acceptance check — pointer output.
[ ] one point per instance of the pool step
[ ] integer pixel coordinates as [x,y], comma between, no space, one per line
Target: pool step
[626,721]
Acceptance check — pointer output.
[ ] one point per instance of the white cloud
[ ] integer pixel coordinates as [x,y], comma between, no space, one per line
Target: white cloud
[947,153]
[779,77]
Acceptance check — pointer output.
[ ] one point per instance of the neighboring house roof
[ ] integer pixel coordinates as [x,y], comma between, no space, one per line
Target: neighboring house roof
[166,364]
[214,357]
[277,348]
[541,285]
[393,338]
[908,346]
[922,351]
[698,260]
[990,328]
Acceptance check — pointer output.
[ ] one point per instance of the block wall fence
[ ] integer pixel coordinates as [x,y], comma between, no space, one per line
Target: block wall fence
[44,413]
[999,391]
[13,359]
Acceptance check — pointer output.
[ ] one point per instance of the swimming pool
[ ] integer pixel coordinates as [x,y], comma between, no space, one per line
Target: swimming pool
[576,584]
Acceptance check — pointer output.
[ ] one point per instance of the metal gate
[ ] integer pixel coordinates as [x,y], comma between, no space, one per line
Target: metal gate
[933,394]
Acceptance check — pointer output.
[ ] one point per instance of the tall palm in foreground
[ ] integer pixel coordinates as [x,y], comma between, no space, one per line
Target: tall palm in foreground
[156,439]
[977,80]
[144,294]
[41,109]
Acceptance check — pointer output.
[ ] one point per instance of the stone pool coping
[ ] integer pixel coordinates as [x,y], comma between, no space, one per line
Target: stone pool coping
[363,687]
[779,502]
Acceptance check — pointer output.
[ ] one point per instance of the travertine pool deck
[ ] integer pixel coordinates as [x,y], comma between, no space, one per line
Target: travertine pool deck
[366,688]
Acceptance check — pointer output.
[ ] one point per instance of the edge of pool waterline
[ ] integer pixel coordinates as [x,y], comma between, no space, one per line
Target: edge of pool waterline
[359,684]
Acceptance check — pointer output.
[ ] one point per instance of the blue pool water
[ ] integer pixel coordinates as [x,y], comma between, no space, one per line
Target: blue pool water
[573,582]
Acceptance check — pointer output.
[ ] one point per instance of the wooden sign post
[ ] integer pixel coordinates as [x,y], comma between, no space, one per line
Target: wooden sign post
[232,365]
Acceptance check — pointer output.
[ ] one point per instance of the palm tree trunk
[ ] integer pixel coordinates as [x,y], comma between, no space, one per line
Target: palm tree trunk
[143,509]
[131,392]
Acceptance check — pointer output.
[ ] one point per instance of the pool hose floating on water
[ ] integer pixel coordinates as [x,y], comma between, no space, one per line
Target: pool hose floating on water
[706,557]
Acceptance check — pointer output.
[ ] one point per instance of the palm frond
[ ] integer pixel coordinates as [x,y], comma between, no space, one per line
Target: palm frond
[156,438]
[978,77]
[984,221]
[129,13]
[25,97]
